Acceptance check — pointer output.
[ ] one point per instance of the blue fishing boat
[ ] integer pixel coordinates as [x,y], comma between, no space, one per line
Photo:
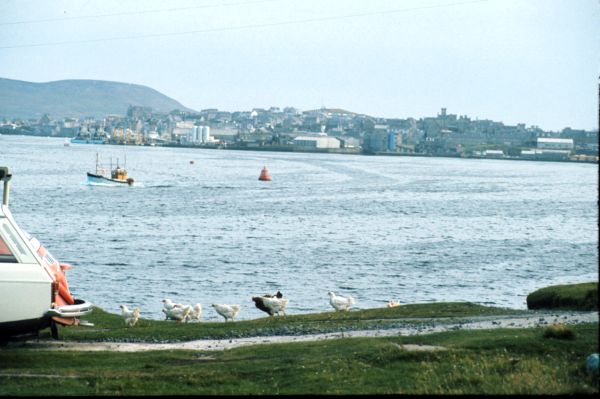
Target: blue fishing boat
[89,139]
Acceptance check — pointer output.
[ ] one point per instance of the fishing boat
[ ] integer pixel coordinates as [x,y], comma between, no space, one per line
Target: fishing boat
[33,285]
[112,176]
[89,139]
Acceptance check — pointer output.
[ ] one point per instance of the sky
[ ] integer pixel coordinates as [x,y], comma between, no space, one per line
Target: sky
[512,61]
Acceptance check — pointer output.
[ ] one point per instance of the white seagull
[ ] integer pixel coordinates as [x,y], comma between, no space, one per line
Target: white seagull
[177,313]
[195,313]
[340,303]
[227,311]
[130,316]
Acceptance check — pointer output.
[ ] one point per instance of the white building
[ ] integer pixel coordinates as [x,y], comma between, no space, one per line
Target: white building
[554,144]
[309,142]
[494,153]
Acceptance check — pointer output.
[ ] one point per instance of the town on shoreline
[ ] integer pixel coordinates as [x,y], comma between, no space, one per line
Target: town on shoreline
[324,130]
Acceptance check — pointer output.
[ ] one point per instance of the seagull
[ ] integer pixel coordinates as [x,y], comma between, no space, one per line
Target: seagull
[195,313]
[271,304]
[393,303]
[340,303]
[168,305]
[227,311]
[130,316]
[177,313]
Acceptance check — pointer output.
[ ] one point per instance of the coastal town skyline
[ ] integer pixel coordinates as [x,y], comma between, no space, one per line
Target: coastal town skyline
[515,62]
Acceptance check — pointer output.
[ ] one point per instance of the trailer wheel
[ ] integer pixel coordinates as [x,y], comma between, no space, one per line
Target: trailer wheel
[54,329]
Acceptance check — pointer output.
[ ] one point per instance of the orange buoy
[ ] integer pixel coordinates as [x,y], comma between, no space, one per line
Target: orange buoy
[264,174]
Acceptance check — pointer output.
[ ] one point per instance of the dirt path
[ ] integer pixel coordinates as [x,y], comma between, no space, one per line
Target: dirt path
[486,322]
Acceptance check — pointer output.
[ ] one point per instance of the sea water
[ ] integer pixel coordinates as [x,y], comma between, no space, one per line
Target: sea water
[413,229]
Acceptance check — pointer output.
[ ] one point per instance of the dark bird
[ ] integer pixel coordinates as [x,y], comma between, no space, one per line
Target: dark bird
[259,301]
[276,295]
[271,304]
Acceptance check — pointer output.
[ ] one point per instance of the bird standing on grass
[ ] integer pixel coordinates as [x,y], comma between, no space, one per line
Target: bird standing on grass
[169,305]
[271,304]
[341,303]
[195,313]
[178,313]
[393,303]
[130,316]
[227,311]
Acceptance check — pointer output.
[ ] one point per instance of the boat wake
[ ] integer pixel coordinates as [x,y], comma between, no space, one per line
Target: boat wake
[157,185]
[97,184]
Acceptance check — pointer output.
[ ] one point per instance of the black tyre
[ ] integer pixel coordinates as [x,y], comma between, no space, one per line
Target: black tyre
[54,329]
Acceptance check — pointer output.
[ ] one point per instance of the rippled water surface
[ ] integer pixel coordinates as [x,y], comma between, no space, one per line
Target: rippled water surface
[377,228]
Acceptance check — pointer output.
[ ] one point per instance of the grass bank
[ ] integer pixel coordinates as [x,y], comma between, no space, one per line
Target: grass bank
[566,297]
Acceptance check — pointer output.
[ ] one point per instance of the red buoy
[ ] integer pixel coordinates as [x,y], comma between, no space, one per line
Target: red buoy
[264,174]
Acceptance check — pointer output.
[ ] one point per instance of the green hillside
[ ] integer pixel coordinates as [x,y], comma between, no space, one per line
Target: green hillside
[78,98]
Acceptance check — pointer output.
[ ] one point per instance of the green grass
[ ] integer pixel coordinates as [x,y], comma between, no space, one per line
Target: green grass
[559,331]
[572,296]
[503,361]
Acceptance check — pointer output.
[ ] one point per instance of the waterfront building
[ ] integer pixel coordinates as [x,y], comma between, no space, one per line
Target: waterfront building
[493,153]
[547,155]
[378,141]
[312,142]
[554,143]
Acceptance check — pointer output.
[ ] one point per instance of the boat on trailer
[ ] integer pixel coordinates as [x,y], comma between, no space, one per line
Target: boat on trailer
[113,176]
[33,285]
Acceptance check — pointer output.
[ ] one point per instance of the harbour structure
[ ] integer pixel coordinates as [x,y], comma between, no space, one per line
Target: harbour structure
[199,135]
[391,141]
[205,134]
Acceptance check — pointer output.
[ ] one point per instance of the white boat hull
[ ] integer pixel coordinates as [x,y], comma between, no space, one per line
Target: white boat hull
[99,179]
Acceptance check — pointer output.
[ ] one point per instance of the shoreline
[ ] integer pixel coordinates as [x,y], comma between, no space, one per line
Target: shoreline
[430,325]
[341,151]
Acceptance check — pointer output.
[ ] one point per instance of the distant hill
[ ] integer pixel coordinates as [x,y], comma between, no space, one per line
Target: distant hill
[331,110]
[78,98]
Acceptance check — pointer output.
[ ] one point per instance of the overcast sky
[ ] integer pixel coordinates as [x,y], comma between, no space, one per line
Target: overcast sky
[514,61]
